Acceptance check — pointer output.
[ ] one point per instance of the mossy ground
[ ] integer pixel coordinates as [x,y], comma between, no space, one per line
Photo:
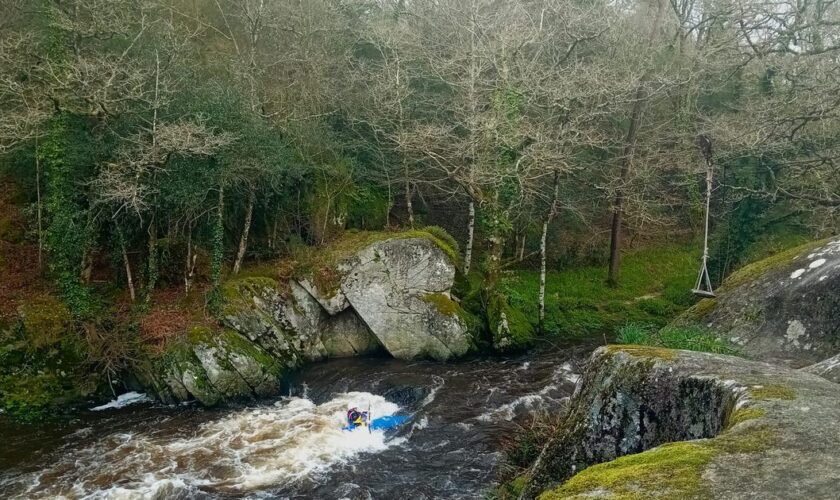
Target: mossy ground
[673,470]
[44,365]
[654,288]
[752,271]
[772,391]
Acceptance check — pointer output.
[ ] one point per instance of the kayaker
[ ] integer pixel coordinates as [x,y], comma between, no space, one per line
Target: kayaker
[356,418]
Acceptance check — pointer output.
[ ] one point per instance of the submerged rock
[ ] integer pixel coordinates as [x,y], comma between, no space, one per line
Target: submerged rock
[656,423]
[784,309]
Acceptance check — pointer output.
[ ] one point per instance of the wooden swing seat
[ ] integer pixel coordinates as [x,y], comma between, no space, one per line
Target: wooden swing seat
[706,294]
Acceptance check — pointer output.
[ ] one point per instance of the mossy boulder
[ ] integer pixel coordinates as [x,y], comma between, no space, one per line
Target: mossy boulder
[44,364]
[784,309]
[654,423]
[212,367]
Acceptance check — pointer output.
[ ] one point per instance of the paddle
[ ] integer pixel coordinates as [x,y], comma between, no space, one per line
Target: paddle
[369,419]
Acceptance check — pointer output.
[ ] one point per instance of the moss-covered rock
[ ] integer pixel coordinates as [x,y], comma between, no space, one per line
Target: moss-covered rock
[212,367]
[647,425]
[509,327]
[784,309]
[44,364]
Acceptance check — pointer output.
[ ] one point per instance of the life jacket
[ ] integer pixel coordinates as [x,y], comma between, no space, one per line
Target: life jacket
[355,417]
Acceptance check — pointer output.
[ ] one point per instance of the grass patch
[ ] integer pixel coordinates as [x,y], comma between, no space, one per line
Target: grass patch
[744,414]
[772,391]
[687,338]
[655,287]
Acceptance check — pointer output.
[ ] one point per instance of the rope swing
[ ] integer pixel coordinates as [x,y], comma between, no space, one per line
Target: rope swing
[703,287]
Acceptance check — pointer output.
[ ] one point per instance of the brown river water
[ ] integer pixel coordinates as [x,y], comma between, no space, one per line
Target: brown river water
[293,446]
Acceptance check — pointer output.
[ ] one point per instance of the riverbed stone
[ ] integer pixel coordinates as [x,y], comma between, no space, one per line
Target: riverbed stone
[656,423]
[784,309]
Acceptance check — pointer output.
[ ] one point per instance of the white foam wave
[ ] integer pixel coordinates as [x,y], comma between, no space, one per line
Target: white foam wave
[123,400]
[241,452]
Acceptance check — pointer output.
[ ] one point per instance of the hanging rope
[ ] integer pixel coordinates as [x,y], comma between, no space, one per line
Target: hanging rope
[703,287]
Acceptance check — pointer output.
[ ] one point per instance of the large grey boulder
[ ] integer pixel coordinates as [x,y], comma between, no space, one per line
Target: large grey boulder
[680,424]
[400,289]
[785,309]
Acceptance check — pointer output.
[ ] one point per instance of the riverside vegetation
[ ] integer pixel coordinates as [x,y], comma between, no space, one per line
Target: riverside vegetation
[197,198]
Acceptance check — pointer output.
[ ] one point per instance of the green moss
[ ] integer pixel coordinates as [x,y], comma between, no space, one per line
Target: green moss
[744,414]
[443,303]
[44,319]
[755,439]
[643,351]
[508,325]
[673,470]
[752,271]
[772,391]
[238,293]
[700,310]
[238,344]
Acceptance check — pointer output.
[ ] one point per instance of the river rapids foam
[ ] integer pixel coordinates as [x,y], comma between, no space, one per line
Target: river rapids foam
[241,452]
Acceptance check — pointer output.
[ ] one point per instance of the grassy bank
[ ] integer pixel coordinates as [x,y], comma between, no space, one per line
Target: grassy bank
[655,287]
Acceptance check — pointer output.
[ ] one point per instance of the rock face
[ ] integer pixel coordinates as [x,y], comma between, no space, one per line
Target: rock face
[828,369]
[391,294]
[400,289]
[784,310]
[679,424]
[212,367]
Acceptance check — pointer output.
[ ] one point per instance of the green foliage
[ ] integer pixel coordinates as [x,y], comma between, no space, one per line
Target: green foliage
[64,156]
[688,338]
[44,368]
[217,257]
[510,328]
[655,287]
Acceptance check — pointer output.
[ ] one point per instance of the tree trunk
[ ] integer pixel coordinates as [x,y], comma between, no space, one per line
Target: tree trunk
[189,268]
[543,241]
[151,282]
[522,247]
[470,239]
[128,275]
[409,206]
[243,241]
[39,209]
[627,161]
[552,212]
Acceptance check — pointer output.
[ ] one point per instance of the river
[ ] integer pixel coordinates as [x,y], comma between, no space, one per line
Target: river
[293,446]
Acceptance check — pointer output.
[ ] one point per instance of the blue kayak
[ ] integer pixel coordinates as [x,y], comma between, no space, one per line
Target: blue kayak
[382,423]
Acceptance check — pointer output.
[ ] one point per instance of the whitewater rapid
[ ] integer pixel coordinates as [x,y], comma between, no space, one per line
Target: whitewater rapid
[244,451]
[461,415]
